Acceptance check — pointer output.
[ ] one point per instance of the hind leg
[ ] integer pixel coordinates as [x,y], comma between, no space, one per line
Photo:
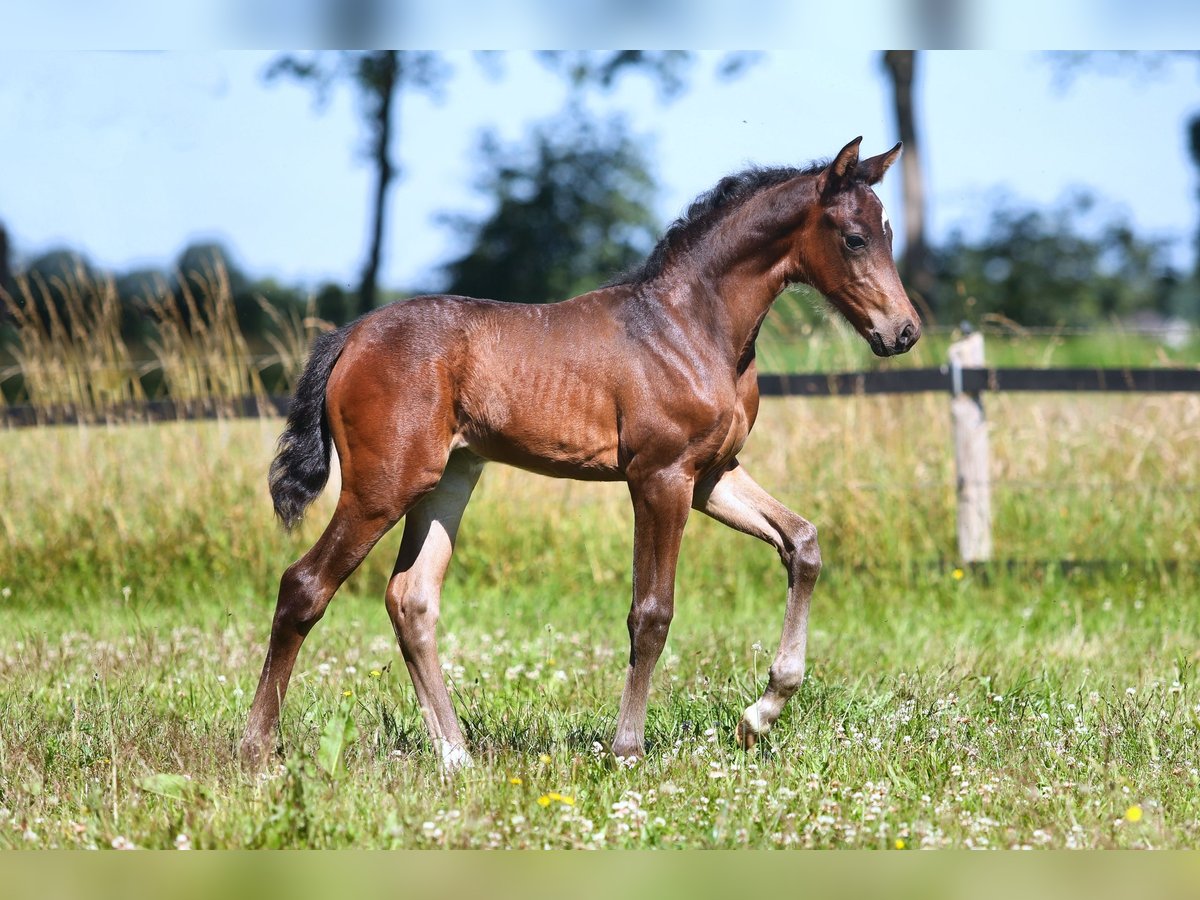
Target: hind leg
[304,592]
[414,598]
[362,517]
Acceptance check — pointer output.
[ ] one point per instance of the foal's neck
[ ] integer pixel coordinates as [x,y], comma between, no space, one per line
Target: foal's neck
[751,256]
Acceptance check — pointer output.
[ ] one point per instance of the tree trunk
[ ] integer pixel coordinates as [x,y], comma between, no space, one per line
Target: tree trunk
[1194,147]
[389,74]
[915,265]
[5,272]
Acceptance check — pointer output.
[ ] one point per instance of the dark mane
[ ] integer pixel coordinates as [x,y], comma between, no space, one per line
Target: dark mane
[708,209]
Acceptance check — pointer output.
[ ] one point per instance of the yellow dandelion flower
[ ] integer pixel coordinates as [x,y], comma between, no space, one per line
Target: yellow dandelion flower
[347,693]
[568,801]
[957,574]
[375,673]
[545,759]
[543,800]
[1133,814]
[515,780]
[900,845]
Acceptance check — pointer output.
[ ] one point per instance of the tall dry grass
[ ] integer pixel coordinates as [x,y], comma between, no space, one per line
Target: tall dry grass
[72,357]
[201,351]
[74,363]
[292,337]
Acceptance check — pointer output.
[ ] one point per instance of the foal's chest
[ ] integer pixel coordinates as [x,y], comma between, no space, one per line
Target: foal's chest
[743,414]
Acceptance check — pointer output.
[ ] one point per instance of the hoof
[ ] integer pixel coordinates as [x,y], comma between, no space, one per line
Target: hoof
[745,735]
[750,728]
[628,754]
[253,754]
[455,757]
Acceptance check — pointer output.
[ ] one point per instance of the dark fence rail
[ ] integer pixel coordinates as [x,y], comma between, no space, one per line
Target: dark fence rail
[833,384]
[941,380]
[149,411]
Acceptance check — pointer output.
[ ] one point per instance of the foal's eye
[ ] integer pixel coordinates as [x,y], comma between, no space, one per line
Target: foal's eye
[855,241]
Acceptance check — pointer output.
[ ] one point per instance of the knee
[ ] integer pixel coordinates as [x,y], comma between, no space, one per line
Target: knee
[303,598]
[650,620]
[804,553]
[413,609]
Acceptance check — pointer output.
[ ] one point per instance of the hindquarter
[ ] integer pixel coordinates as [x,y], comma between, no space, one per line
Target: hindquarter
[390,401]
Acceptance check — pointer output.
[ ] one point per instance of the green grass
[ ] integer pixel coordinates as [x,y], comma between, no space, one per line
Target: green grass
[835,348]
[996,707]
[803,335]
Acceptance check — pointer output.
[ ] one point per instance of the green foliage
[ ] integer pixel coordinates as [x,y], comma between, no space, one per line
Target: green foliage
[372,74]
[665,68]
[668,70]
[169,785]
[57,277]
[570,211]
[340,732]
[335,304]
[6,280]
[1053,267]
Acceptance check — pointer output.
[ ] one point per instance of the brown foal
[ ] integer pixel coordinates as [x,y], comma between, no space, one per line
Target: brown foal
[650,380]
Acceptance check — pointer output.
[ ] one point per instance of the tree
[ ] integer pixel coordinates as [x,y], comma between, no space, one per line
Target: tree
[915,266]
[380,77]
[199,260]
[6,282]
[571,210]
[1194,149]
[1048,267]
[586,68]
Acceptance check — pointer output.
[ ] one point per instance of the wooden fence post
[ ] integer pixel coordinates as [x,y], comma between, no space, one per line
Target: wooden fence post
[970,455]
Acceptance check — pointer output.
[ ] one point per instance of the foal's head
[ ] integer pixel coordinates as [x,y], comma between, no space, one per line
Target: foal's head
[847,252]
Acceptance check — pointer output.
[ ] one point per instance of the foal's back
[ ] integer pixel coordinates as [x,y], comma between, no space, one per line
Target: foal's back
[541,386]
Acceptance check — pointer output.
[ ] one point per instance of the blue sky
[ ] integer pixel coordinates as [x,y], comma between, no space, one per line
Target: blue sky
[131,156]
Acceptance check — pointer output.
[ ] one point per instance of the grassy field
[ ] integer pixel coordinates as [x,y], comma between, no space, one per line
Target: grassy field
[1021,705]
[833,347]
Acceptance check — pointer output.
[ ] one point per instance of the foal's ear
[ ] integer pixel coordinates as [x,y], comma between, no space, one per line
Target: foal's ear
[840,172]
[872,170]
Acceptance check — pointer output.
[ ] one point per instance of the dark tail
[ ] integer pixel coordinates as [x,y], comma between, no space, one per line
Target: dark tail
[301,465]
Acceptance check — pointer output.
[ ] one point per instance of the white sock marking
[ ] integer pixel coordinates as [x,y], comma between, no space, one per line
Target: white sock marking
[455,756]
[753,719]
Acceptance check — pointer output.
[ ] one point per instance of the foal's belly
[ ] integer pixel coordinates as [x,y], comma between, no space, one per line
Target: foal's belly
[562,430]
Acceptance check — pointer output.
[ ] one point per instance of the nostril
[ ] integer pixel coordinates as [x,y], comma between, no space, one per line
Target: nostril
[907,336]
[876,341]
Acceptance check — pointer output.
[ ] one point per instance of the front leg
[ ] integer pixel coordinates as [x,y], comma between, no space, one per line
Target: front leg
[660,511]
[735,499]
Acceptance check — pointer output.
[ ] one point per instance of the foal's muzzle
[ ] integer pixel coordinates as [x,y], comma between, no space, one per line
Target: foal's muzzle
[900,341]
